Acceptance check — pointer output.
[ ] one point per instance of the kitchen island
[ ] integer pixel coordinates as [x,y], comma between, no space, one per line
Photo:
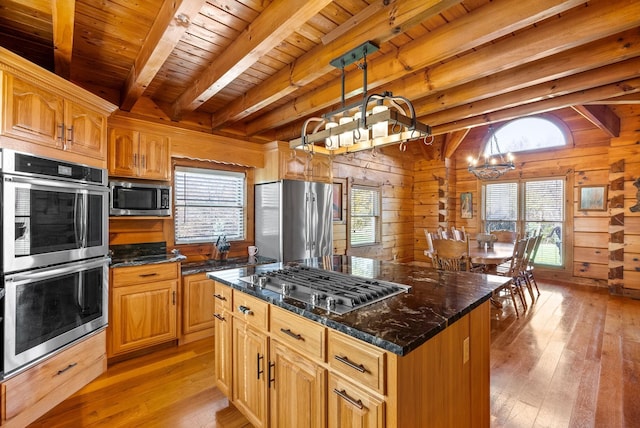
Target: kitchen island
[418,358]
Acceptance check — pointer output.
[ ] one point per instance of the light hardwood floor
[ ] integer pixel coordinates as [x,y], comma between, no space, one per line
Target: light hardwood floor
[572,360]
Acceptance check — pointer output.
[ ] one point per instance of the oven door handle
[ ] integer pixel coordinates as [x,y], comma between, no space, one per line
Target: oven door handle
[57,271]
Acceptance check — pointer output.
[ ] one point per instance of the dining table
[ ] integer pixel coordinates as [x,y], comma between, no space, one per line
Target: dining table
[500,252]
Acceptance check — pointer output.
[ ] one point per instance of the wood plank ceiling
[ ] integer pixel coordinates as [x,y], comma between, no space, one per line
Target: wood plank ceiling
[257,69]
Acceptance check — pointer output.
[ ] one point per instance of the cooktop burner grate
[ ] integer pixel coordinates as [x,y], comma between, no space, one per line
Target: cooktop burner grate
[334,291]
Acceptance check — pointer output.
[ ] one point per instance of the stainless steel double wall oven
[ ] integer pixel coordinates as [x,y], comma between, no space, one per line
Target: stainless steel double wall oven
[54,256]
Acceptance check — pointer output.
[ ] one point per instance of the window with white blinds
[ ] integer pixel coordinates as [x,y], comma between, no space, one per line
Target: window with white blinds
[501,206]
[209,203]
[365,215]
[530,207]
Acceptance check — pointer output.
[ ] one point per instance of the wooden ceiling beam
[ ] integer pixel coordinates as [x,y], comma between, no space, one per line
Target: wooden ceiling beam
[596,21]
[453,141]
[278,21]
[62,16]
[631,86]
[170,25]
[601,54]
[602,117]
[387,22]
[556,87]
[602,76]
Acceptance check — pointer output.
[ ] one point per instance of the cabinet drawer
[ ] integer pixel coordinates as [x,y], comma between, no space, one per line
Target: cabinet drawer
[222,297]
[254,311]
[124,276]
[298,333]
[42,387]
[356,360]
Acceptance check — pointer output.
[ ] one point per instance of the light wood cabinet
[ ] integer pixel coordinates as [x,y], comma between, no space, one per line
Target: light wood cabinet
[32,393]
[39,116]
[353,407]
[223,338]
[250,371]
[309,375]
[297,390]
[143,307]
[281,162]
[197,307]
[138,154]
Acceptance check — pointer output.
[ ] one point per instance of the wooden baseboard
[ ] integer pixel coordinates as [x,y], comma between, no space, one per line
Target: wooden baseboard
[192,337]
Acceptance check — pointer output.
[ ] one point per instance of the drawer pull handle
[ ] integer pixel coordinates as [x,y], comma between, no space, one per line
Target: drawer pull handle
[220,317]
[219,297]
[70,366]
[245,310]
[272,379]
[292,334]
[343,394]
[145,275]
[346,361]
[259,358]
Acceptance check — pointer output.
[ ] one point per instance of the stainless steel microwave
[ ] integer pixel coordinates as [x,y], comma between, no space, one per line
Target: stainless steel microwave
[139,199]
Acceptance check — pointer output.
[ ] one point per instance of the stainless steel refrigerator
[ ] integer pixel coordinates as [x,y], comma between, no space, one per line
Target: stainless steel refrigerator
[293,219]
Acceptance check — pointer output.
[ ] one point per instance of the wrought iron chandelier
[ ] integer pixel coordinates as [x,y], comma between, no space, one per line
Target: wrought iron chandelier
[495,163]
[355,127]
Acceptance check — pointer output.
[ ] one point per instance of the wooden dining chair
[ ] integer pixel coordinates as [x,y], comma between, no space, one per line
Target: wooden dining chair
[458,234]
[430,239]
[529,266]
[505,235]
[513,269]
[451,255]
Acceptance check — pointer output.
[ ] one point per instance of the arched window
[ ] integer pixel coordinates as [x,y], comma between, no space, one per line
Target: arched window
[528,133]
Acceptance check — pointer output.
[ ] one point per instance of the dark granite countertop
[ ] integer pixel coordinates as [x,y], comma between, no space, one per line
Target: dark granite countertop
[143,254]
[398,324]
[191,268]
[147,260]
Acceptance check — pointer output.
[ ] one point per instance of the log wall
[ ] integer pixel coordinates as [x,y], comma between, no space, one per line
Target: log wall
[392,171]
[582,163]
[624,202]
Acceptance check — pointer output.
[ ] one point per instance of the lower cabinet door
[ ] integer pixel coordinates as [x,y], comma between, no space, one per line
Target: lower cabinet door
[250,371]
[222,344]
[350,406]
[143,315]
[296,391]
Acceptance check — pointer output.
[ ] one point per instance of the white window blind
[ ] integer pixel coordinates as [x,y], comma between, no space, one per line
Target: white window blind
[365,215]
[501,206]
[544,200]
[208,204]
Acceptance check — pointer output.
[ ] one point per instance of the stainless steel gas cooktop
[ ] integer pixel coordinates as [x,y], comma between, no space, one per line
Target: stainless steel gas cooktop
[334,291]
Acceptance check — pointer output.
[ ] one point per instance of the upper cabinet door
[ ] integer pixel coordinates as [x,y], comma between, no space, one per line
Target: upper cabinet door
[31,113]
[86,131]
[123,152]
[154,156]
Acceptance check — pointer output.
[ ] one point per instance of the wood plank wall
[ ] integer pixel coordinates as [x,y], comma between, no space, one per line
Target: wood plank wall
[392,171]
[624,227]
[584,162]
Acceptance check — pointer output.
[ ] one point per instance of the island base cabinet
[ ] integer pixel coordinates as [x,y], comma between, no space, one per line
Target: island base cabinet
[296,391]
[352,407]
[250,371]
[222,339]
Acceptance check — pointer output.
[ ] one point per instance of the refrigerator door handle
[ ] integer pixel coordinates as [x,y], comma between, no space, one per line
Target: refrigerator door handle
[314,222]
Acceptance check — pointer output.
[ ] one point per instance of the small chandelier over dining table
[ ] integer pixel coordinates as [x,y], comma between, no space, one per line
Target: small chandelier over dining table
[354,127]
[495,163]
